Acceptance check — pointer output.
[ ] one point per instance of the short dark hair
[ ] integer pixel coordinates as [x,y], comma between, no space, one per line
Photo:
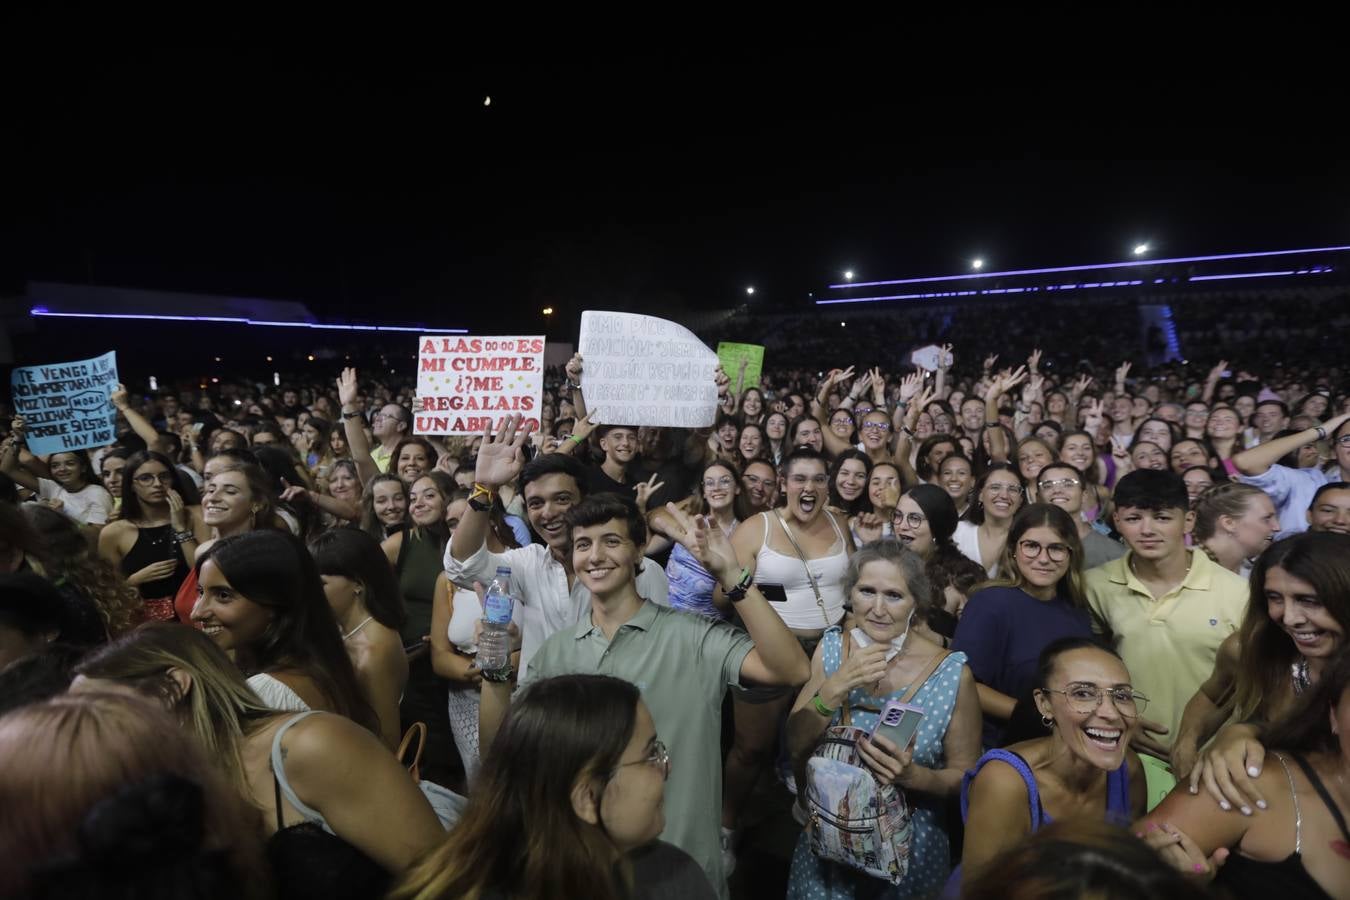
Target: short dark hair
[598,509]
[554,464]
[1327,488]
[801,453]
[602,430]
[1284,407]
[1151,489]
[1057,464]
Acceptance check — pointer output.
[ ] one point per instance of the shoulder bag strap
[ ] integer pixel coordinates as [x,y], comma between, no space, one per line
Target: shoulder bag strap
[811,579]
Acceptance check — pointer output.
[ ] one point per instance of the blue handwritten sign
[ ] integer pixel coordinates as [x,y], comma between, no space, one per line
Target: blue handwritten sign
[67,406]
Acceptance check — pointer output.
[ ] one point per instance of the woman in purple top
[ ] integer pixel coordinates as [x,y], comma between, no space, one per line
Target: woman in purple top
[691,587]
[1005,626]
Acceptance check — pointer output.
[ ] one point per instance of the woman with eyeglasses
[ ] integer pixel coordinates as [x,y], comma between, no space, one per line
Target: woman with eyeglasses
[568,804]
[692,587]
[924,521]
[156,540]
[1006,624]
[1083,768]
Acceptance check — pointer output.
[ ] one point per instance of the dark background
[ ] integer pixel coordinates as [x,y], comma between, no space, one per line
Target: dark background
[379,187]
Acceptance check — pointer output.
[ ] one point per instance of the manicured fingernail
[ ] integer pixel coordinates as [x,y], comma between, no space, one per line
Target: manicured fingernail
[1199,867]
[1253,771]
[1246,810]
[1223,804]
[1261,804]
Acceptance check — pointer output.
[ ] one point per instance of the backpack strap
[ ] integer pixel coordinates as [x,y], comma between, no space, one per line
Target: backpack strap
[927,673]
[1018,763]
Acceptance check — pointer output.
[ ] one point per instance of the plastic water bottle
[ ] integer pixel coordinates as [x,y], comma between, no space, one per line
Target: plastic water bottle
[494,643]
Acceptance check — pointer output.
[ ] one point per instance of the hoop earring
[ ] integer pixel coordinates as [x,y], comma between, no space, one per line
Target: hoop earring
[1047,722]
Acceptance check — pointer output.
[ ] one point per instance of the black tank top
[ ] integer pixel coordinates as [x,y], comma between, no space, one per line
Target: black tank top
[155,545]
[1287,878]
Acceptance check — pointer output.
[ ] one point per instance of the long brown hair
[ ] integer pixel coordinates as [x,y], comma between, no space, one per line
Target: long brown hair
[1323,560]
[65,558]
[1044,515]
[102,789]
[219,706]
[520,836]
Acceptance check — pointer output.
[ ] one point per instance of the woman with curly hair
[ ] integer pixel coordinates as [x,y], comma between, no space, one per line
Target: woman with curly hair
[65,559]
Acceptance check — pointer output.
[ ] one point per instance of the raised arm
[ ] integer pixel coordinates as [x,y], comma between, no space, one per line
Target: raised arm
[9,458]
[353,427]
[834,445]
[1004,381]
[139,424]
[1261,457]
[500,460]
[574,370]
[1212,380]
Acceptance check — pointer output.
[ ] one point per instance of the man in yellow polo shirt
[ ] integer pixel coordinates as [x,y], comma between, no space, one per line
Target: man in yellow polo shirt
[1167,607]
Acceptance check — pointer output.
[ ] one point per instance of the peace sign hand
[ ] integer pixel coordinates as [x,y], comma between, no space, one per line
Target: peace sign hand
[645,489]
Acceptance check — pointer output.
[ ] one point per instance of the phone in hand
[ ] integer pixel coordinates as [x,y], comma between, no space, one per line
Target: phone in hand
[774,593]
[898,722]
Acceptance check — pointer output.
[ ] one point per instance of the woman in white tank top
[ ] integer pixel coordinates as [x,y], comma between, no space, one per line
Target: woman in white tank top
[765,545]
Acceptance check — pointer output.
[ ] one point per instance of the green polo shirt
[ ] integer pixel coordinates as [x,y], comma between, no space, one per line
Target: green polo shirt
[683,664]
[1168,644]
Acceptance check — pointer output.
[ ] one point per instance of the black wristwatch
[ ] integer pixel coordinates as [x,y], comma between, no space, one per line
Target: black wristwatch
[351,415]
[500,676]
[737,594]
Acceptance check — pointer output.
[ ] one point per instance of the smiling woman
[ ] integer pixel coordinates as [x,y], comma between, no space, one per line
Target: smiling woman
[1084,694]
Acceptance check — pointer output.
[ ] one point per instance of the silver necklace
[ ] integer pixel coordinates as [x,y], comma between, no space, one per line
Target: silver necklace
[363,624]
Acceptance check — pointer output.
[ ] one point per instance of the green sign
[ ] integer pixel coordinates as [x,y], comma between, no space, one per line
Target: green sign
[731,355]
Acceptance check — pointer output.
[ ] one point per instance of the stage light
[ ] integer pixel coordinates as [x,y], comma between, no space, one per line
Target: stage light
[977,264]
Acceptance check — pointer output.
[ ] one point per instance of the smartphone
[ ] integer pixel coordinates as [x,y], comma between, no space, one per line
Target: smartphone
[898,722]
[774,593]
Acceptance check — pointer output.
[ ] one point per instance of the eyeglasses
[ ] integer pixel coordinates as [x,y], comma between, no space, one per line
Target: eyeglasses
[724,481]
[1058,483]
[1343,440]
[1032,549]
[862,409]
[1084,698]
[659,757]
[149,478]
[913,520]
[876,426]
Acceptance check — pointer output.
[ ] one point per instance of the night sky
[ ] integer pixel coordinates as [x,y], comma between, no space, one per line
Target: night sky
[383,189]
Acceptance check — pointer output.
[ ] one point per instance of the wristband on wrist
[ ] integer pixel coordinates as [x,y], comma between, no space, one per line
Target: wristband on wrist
[500,676]
[577,439]
[820,706]
[573,385]
[351,415]
[1321,432]
[482,497]
[737,593]
[183,537]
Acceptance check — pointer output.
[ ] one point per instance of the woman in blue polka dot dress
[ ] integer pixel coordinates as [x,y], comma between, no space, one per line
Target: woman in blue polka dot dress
[889,591]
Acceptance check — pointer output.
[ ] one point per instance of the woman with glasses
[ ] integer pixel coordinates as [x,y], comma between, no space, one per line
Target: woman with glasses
[568,804]
[863,669]
[759,488]
[924,521]
[691,586]
[1005,625]
[155,541]
[1083,768]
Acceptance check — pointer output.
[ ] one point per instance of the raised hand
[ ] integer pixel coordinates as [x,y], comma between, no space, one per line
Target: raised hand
[119,396]
[989,361]
[346,387]
[573,369]
[1031,392]
[910,385]
[500,459]
[582,428]
[1005,381]
[645,489]
[1082,384]
[1034,360]
[1092,417]
[178,514]
[1216,373]
[945,358]
[706,541]
[722,381]
[1122,372]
